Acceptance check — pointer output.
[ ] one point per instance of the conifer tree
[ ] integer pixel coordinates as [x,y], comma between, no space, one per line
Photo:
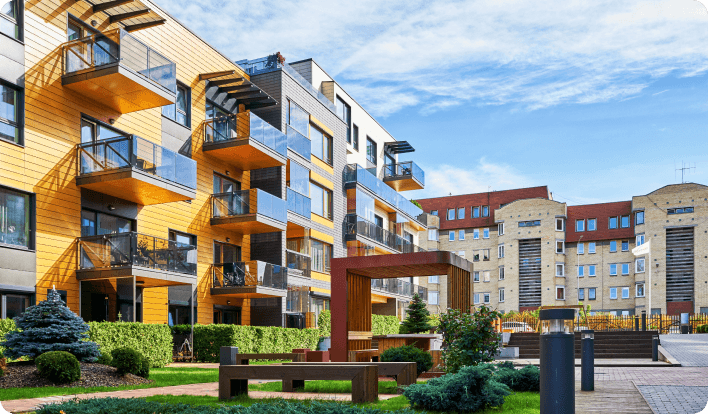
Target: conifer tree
[418,317]
[50,326]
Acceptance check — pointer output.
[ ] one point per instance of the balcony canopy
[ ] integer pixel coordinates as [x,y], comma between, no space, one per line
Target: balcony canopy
[398,147]
[237,87]
[132,14]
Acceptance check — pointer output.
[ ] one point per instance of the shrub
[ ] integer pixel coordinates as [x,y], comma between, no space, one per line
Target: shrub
[418,319]
[409,353]
[105,358]
[324,322]
[152,340]
[468,339]
[50,326]
[181,329]
[58,366]
[471,389]
[385,325]
[129,361]
[702,329]
[526,379]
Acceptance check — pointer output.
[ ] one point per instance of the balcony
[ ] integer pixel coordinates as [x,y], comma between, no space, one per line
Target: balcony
[119,71]
[136,170]
[398,287]
[245,141]
[249,212]
[356,174]
[254,279]
[357,227]
[404,176]
[299,143]
[298,203]
[151,260]
[298,263]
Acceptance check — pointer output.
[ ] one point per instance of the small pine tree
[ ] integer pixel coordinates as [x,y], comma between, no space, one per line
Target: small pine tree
[50,326]
[418,319]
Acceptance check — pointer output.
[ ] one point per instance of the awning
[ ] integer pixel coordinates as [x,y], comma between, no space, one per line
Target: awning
[132,14]
[239,88]
[398,147]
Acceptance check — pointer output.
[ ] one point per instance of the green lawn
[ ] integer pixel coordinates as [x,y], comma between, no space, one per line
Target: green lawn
[345,387]
[162,377]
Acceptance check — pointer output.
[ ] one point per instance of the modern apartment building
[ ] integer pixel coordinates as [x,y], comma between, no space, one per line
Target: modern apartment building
[529,250]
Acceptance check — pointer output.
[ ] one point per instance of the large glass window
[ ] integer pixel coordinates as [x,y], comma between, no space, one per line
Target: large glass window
[9,112]
[93,131]
[298,118]
[15,219]
[9,18]
[321,256]
[225,185]
[321,201]
[299,178]
[371,150]
[321,145]
[180,110]
[96,224]
[226,253]
[345,114]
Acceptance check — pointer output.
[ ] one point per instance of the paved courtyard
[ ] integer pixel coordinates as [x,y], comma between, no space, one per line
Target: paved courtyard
[689,350]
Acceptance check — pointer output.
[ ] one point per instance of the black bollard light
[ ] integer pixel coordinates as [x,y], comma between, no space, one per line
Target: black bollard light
[655,348]
[587,361]
[644,320]
[557,343]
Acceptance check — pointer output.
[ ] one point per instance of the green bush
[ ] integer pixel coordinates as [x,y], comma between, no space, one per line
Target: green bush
[59,367]
[526,379]
[385,325]
[468,339]
[105,358]
[250,339]
[409,353]
[702,329]
[129,361]
[152,340]
[181,329]
[469,390]
[324,323]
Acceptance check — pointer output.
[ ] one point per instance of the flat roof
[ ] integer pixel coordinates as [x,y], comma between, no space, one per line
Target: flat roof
[389,266]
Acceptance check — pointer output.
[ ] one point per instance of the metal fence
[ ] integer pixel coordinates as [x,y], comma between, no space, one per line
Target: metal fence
[664,324]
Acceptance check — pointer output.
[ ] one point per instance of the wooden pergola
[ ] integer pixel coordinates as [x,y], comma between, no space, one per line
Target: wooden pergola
[351,291]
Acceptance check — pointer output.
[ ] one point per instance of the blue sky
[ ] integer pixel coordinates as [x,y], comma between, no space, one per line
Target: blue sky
[598,100]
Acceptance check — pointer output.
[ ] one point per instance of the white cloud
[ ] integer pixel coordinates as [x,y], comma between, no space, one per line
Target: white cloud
[400,53]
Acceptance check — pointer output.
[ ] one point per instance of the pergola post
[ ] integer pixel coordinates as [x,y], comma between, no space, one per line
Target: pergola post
[340,312]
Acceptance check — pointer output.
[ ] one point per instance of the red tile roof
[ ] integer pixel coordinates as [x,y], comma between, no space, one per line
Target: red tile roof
[602,212]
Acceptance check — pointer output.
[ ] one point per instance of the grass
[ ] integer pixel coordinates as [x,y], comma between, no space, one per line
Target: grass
[334,387]
[162,377]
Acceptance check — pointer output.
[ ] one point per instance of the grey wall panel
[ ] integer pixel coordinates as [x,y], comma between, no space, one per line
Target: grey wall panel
[18,268]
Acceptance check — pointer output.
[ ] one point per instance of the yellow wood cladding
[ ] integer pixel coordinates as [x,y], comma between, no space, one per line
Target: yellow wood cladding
[324,182]
[321,220]
[47,163]
[321,276]
[318,162]
[321,126]
[327,238]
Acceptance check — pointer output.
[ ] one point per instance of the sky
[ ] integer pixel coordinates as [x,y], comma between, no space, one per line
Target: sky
[598,100]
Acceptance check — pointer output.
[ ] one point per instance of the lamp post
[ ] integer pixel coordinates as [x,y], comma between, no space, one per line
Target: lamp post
[587,362]
[557,343]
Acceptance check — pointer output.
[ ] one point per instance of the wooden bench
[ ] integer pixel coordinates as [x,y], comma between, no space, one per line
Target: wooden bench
[364,355]
[233,379]
[406,373]
[242,359]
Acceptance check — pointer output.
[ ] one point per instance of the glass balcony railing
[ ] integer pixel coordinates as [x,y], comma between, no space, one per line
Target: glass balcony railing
[119,47]
[399,287]
[299,262]
[249,202]
[298,203]
[354,173]
[407,169]
[251,273]
[356,225]
[134,249]
[299,143]
[242,126]
[133,151]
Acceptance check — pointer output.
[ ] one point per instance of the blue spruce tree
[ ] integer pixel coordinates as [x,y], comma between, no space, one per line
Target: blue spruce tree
[50,326]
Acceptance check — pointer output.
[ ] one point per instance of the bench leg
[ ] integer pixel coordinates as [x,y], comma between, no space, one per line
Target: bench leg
[290,385]
[365,386]
[229,387]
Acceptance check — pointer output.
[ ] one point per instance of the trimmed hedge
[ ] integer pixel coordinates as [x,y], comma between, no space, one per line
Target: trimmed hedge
[385,325]
[250,339]
[409,353]
[324,322]
[152,340]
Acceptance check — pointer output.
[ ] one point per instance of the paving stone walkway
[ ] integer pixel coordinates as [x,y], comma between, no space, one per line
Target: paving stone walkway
[689,350]
[668,399]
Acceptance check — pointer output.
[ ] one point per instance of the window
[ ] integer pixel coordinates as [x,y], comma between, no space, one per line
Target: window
[560,292]
[501,251]
[344,112]
[501,295]
[433,234]
[532,223]
[321,201]
[639,290]
[378,221]
[475,212]
[625,293]
[475,234]
[591,271]
[226,253]
[613,293]
[501,229]
[613,246]
[433,212]
[579,225]
[624,222]
[16,217]
[613,269]
[581,271]
[560,269]
[625,268]
[10,114]
[581,294]
[485,254]
[591,293]
[460,213]
[225,185]
[95,224]
[9,18]
[462,234]
[639,265]
[591,248]
[560,224]
[581,248]
[639,217]
[298,118]
[432,298]
[486,297]
[321,256]
[485,233]
[321,144]
[371,153]
[592,224]
[625,245]
[14,305]
[476,298]
[180,110]
[612,223]
[680,210]
[475,276]
[298,178]
[485,211]
[560,246]
[640,239]
[451,214]
[433,279]
[451,235]
[487,275]
[355,137]
[501,273]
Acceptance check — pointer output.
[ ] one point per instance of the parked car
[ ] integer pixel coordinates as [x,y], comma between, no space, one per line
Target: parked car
[516,327]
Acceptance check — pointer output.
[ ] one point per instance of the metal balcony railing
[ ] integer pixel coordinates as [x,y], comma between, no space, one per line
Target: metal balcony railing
[299,262]
[133,151]
[119,47]
[250,201]
[402,170]
[299,143]
[399,287]
[356,225]
[251,273]
[298,203]
[243,126]
[134,249]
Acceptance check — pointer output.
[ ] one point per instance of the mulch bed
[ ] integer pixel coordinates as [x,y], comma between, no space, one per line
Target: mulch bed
[92,375]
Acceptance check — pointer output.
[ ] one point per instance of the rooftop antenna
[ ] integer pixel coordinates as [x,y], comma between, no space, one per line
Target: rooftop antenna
[685,168]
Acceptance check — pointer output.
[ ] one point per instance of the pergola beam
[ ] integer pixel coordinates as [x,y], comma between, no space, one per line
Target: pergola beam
[109,5]
[129,15]
[207,76]
[221,82]
[141,26]
[238,87]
